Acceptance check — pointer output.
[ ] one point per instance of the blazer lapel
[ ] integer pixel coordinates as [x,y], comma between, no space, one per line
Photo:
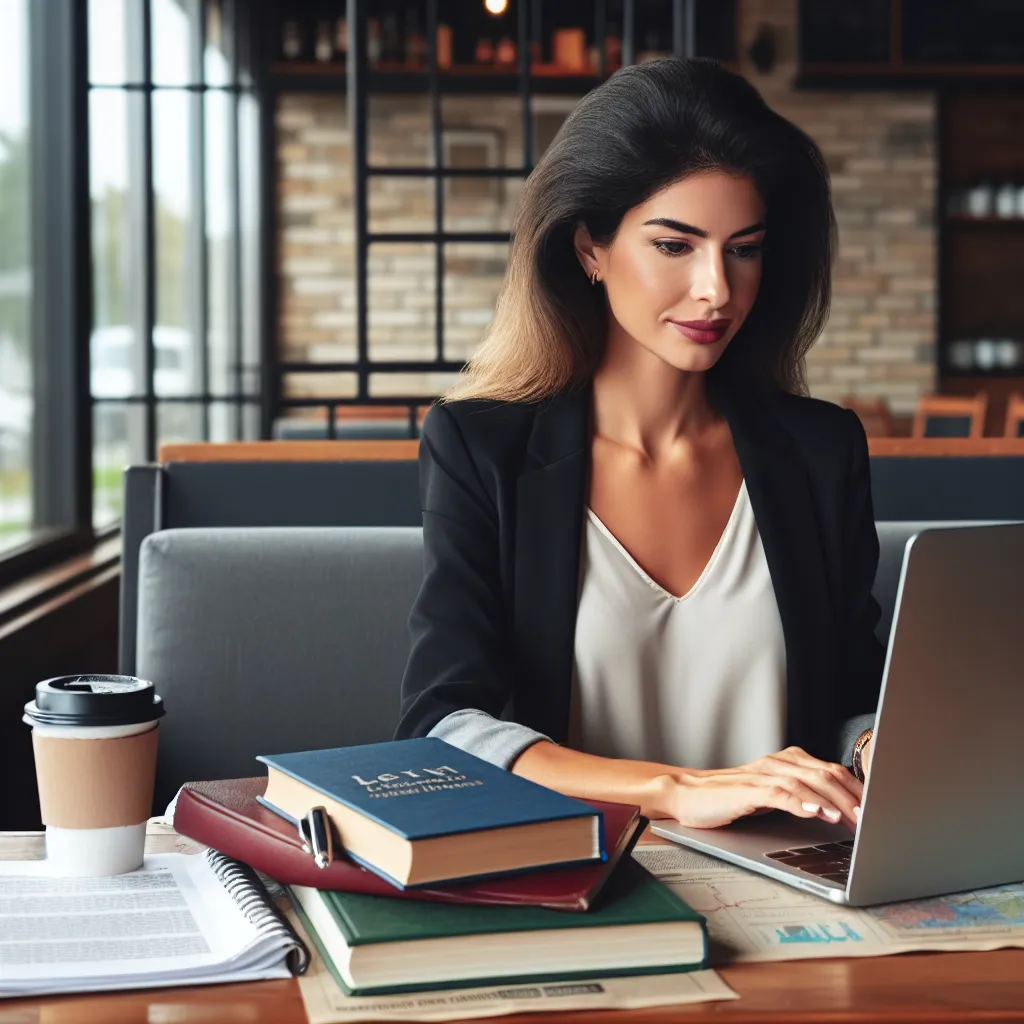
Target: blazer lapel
[549,521]
[783,504]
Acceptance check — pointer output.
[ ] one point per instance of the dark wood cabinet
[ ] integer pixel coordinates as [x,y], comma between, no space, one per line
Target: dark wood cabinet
[909,43]
[981,246]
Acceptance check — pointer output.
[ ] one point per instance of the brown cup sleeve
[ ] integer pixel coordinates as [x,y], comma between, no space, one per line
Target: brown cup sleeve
[103,783]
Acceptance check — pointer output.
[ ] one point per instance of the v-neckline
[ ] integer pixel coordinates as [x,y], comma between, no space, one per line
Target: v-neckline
[653,583]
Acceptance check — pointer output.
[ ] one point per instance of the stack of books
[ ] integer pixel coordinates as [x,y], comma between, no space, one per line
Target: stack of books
[417,866]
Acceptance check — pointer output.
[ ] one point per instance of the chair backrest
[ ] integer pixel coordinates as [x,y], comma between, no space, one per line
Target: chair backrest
[348,450]
[1015,415]
[257,493]
[950,416]
[873,414]
[270,640]
[952,479]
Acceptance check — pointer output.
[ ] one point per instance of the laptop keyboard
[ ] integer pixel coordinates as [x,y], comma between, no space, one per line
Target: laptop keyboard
[830,861]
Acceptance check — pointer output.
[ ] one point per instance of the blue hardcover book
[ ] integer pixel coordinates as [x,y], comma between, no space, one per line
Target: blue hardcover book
[419,812]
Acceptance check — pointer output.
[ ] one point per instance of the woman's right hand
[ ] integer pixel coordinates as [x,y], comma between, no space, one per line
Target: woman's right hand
[791,780]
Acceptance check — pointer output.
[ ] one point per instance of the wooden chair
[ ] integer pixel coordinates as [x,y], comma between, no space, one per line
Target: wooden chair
[941,416]
[873,413]
[289,451]
[1015,415]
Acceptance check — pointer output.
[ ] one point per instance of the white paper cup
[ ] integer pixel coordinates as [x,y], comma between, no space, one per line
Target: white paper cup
[95,780]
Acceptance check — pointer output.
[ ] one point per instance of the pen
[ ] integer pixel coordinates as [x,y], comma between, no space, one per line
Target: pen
[315,832]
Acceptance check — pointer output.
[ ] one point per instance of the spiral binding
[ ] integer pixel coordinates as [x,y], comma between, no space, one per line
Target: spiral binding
[250,896]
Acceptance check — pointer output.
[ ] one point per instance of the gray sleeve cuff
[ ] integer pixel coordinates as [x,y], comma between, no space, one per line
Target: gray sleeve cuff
[488,738]
[848,733]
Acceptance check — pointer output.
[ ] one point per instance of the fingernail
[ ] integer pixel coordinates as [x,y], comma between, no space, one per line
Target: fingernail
[832,815]
[811,808]
[856,812]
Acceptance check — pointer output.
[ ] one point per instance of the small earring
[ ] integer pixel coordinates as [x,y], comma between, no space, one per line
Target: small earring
[593,278]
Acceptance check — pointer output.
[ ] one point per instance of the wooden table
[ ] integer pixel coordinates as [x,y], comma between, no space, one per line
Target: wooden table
[932,987]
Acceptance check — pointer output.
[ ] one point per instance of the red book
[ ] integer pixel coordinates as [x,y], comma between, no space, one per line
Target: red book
[226,816]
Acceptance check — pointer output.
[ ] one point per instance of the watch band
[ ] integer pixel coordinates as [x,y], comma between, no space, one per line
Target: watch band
[858,751]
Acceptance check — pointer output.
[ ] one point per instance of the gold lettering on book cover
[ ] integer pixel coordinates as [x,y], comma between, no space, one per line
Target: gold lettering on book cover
[389,784]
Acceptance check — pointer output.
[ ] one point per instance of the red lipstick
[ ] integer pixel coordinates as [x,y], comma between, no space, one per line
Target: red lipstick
[703,332]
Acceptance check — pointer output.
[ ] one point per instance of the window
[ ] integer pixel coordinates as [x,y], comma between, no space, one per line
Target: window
[174,346]
[16,376]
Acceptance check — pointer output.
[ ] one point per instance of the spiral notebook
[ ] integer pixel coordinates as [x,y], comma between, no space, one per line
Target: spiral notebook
[181,919]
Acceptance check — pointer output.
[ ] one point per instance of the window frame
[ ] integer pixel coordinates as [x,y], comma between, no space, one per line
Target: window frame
[61,442]
[62,456]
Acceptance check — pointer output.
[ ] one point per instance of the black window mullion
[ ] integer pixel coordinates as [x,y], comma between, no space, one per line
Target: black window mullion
[437,133]
[600,36]
[235,264]
[60,253]
[523,27]
[199,261]
[628,31]
[148,202]
[232,30]
[683,28]
[357,84]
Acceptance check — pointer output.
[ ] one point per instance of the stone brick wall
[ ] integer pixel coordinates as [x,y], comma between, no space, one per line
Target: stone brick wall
[880,149]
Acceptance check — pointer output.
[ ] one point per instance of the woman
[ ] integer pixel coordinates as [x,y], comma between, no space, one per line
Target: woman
[648,559]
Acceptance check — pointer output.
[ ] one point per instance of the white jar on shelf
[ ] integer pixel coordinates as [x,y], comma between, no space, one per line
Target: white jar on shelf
[985,353]
[1008,353]
[1006,200]
[961,354]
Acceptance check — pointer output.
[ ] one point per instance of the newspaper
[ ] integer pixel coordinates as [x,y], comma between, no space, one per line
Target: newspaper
[753,918]
[325,1002]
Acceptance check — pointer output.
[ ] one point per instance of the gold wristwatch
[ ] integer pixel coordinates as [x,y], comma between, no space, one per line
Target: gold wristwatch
[858,751]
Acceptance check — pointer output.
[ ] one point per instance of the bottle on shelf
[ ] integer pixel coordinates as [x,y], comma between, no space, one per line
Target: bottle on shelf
[323,44]
[341,38]
[612,48]
[484,53]
[444,47]
[373,48]
[569,50]
[291,39]
[390,40]
[415,43]
[505,52]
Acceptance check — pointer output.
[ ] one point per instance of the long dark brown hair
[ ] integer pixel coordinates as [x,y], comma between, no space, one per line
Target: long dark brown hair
[647,127]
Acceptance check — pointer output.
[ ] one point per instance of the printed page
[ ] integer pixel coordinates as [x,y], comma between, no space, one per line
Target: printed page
[171,920]
[752,917]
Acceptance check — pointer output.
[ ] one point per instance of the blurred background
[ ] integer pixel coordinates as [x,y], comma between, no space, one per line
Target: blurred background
[223,219]
[241,220]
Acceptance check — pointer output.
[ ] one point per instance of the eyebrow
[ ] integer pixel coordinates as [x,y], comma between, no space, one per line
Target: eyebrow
[689,229]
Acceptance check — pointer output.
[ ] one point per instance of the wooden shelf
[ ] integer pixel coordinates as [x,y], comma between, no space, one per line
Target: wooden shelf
[965,218]
[304,76]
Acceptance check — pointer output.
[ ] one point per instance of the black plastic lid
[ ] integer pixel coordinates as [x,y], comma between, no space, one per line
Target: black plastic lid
[94,700]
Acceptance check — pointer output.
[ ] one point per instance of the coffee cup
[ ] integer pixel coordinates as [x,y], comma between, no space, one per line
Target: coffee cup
[94,738]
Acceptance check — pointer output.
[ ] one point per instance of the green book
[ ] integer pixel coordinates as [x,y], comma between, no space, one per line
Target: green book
[375,944]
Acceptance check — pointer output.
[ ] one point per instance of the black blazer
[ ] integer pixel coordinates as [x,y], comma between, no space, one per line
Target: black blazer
[503,487]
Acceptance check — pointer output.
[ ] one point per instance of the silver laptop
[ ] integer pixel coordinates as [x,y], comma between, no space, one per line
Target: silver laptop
[943,808]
